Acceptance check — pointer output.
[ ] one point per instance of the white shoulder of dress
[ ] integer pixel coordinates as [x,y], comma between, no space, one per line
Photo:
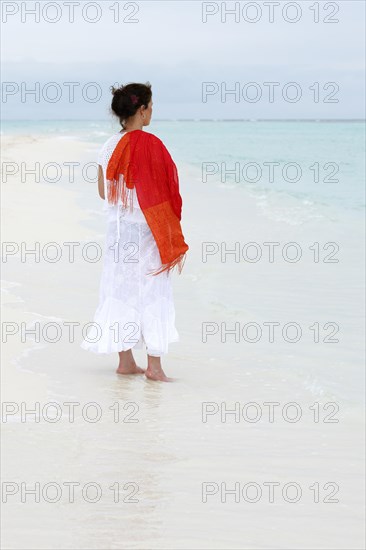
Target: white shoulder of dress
[113,139]
[107,148]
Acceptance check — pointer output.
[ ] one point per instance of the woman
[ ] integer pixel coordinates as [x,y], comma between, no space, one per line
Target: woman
[139,181]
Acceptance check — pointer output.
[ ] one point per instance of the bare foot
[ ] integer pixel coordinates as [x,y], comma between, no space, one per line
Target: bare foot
[132,369]
[154,370]
[158,376]
[127,364]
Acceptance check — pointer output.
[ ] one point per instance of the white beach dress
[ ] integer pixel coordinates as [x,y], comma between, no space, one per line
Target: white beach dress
[135,309]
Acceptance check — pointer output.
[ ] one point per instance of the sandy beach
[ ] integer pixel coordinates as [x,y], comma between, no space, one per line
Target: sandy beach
[192,464]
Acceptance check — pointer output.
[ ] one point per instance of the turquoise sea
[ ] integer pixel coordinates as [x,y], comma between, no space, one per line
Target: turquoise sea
[319,163]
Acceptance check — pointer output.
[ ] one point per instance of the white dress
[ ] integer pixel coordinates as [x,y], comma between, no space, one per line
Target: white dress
[134,308]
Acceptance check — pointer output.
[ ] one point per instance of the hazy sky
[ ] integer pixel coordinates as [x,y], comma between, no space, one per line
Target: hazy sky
[169,45]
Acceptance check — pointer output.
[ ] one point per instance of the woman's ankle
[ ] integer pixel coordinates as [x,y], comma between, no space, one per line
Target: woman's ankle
[154,363]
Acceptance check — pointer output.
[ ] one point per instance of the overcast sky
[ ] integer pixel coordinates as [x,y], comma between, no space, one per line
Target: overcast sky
[169,45]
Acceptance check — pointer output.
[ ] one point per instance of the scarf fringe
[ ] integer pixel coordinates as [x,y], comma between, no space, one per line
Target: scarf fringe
[178,263]
[119,191]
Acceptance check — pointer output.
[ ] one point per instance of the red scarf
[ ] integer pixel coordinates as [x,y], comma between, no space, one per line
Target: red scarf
[141,160]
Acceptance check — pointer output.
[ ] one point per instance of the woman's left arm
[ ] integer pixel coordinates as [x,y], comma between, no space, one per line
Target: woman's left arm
[100,182]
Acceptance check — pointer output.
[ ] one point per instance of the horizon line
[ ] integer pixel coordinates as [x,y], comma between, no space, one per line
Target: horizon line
[192,119]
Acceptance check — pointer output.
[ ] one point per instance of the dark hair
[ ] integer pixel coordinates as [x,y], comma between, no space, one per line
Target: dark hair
[127,99]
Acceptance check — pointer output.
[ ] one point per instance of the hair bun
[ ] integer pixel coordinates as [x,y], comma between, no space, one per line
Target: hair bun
[127,99]
[116,91]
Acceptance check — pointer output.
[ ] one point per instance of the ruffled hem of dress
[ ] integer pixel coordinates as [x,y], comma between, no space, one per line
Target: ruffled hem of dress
[111,332]
[98,348]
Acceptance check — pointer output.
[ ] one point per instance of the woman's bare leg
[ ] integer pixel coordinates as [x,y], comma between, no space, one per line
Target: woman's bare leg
[127,363]
[154,369]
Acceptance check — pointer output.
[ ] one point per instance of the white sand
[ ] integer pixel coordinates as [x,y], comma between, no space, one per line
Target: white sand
[169,453]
